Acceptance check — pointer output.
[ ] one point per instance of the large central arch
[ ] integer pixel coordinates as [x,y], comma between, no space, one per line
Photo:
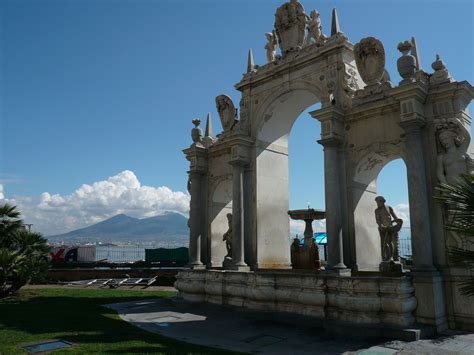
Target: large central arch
[271,174]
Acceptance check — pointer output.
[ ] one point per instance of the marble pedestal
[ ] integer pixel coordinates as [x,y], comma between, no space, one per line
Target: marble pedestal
[391,268]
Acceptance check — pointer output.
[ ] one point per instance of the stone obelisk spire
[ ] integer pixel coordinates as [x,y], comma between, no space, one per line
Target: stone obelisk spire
[250,62]
[208,138]
[335,29]
[208,131]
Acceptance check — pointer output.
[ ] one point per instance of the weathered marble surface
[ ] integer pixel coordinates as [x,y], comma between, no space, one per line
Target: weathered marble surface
[365,300]
[244,171]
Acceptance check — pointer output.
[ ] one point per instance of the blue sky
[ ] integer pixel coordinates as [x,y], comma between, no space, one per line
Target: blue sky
[90,89]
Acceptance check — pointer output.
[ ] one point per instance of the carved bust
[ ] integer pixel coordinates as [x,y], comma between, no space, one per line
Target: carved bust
[453,159]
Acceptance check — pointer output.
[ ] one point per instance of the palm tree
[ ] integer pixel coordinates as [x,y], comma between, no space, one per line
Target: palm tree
[23,254]
[12,268]
[459,201]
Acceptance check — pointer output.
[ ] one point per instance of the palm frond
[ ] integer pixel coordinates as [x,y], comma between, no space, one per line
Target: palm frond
[30,242]
[9,211]
[458,199]
[461,257]
[9,222]
[467,287]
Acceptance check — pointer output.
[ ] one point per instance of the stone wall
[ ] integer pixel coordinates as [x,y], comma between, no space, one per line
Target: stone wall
[460,308]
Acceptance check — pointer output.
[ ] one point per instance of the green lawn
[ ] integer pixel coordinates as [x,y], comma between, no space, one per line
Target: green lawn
[76,315]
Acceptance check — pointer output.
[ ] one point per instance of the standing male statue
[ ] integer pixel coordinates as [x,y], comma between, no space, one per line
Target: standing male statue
[227,237]
[388,229]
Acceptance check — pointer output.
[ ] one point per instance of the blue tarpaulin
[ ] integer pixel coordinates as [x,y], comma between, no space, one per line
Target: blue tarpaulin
[321,238]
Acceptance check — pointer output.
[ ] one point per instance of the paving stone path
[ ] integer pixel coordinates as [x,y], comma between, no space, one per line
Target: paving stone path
[265,333]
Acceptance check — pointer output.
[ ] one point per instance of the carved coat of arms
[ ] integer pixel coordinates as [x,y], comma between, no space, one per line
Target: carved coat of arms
[290,26]
[370,60]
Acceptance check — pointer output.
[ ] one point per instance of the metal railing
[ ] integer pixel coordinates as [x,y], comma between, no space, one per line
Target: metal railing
[404,245]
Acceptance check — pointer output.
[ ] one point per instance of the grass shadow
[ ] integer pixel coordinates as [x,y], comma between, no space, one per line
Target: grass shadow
[78,316]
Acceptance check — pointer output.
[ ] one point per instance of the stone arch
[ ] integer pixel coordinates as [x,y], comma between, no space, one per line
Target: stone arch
[274,122]
[366,240]
[220,205]
[265,107]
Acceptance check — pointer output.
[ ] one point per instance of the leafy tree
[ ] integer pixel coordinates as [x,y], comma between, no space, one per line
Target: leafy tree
[23,254]
[459,201]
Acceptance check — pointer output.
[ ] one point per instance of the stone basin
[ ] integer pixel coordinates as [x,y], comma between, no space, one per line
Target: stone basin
[306,256]
[309,213]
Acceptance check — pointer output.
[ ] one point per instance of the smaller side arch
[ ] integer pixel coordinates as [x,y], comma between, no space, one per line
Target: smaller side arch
[365,248]
[220,206]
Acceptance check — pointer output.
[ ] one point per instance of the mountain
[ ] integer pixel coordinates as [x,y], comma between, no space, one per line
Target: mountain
[168,227]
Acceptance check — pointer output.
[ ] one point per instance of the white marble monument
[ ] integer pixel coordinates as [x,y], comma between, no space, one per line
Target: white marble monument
[366,122]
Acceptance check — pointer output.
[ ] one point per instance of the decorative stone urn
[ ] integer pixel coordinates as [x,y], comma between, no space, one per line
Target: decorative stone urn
[196,132]
[406,64]
[441,74]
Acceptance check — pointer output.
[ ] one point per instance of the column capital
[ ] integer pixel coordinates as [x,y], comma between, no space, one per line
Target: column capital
[239,163]
[197,159]
[195,150]
[239,155]
[197,173]
[332,122]
[416,90]
[330,142]
[327,114]
[413,125]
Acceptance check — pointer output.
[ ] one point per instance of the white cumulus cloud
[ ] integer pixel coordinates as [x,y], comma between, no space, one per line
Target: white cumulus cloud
[297,227]
[402,210]
[53,213]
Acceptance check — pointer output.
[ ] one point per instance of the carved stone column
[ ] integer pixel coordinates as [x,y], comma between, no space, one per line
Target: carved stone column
[418,197]
[195,228]
[332,133]
[332,186]
[197,156]
[427,280]
[238,249]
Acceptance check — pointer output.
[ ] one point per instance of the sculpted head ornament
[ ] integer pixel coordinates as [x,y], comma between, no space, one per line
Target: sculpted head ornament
[227,113]
[448,131]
